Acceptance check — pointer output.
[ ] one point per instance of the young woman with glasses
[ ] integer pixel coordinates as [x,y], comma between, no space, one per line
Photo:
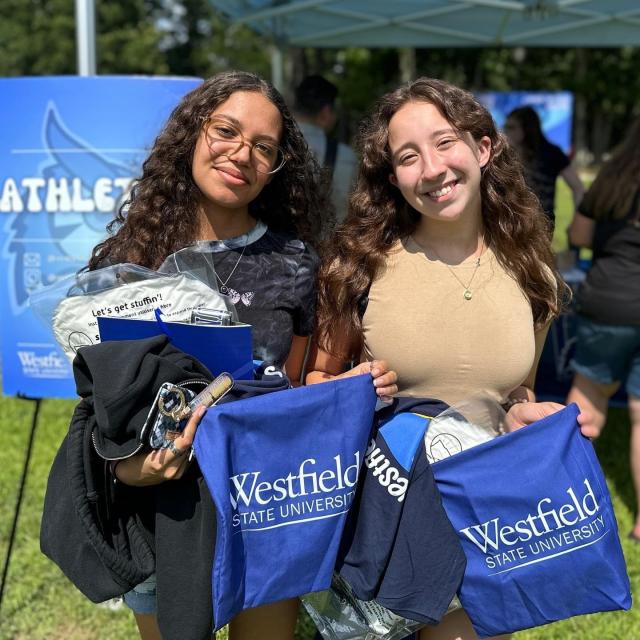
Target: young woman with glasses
[231,170]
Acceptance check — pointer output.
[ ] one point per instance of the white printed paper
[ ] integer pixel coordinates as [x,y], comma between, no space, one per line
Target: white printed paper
[75,320]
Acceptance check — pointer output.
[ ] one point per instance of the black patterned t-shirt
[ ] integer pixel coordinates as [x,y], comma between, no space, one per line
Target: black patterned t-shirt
[271,278]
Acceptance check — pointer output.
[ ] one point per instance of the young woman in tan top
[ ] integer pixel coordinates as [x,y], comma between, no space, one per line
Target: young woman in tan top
[443,267]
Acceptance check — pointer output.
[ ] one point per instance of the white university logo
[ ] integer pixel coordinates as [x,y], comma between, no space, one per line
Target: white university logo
[551,530]
[304,494]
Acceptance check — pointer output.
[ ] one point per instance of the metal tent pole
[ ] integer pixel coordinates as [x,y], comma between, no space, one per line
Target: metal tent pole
[277,67]
[86,37]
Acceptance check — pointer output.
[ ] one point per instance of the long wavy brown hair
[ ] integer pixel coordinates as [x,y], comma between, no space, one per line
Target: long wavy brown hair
[514,225]
[161,214]
[533,137]
[613,192]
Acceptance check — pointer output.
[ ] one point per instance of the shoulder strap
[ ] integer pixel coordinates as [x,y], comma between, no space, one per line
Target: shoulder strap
[330,153]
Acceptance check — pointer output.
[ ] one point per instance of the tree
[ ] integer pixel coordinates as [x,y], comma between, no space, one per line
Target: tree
[188,37]
[37,37]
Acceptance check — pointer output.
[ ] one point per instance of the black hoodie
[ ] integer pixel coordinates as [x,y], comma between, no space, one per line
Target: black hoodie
[108,537]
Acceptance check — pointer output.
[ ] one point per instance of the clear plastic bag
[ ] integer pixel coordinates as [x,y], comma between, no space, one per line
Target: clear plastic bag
[340,615]
[70,307]
[465,425]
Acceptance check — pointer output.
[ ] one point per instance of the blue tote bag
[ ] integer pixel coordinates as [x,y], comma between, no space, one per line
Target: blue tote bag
[535,520]
[282,470]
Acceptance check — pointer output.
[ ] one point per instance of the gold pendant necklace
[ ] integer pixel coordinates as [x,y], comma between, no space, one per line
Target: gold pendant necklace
[468,294]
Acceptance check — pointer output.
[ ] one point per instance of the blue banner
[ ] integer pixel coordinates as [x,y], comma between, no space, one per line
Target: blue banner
[69,150]
[555,109]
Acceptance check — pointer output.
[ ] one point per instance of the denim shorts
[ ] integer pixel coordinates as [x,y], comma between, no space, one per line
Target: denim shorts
[142,598]
[608,353]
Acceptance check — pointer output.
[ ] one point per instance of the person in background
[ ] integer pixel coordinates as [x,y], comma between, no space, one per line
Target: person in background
[442,267]
[608,301]
[315,111]
[543,161]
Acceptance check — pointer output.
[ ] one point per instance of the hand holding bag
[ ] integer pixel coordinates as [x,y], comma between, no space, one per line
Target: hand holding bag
[535,520]
[282,470]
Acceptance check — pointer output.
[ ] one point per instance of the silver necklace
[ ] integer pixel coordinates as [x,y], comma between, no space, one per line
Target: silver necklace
[468,294]
[224,290]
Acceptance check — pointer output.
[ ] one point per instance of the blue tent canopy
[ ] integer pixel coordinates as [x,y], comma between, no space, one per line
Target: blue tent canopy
[440,23]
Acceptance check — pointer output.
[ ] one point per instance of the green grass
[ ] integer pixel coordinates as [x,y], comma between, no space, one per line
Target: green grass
[41,604]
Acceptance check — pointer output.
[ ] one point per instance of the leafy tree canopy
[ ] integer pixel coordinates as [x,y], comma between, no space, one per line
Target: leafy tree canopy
[188,38]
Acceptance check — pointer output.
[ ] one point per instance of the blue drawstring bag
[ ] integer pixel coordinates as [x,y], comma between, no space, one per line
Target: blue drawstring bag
[535,519]
[282,470]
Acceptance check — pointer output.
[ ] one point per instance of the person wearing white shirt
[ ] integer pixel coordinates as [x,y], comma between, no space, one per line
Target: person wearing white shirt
[315,112]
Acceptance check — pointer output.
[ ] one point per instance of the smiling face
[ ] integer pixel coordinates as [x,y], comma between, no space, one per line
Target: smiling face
[435,167]
[231,181]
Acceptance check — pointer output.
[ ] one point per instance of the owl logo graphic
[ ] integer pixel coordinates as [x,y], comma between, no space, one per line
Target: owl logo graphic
[69,234]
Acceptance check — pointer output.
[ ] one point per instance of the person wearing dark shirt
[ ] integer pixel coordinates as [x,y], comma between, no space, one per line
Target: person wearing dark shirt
[229,164]
[543,161]
[608,302]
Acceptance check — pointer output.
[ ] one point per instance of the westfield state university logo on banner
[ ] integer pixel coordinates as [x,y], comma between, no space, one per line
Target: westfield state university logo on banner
[56,214]
[309,491]
[553,528]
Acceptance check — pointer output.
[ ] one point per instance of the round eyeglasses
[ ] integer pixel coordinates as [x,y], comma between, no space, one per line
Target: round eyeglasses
[225,139]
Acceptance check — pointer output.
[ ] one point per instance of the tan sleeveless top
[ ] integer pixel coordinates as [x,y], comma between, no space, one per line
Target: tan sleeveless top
[441,345]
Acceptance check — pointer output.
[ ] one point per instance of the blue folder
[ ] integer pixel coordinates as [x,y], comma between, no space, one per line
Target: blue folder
[219,348]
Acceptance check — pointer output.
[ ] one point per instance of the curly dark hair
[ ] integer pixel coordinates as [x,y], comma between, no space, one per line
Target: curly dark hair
[514,225]
[161,214]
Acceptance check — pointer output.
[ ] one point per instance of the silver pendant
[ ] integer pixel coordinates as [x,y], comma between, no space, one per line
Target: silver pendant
[224,290]
[467,294]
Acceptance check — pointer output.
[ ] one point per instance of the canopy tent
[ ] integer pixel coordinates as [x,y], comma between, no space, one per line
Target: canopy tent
[415,23]
[440,23]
